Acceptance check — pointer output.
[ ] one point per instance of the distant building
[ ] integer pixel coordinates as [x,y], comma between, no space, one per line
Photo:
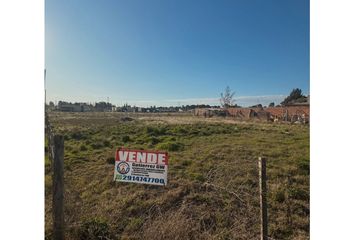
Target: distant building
[73,107]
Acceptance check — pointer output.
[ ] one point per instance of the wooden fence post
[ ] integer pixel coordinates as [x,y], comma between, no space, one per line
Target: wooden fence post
[58,187]
[263,197]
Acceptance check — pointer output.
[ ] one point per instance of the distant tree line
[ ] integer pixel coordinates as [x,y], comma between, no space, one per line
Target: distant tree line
[226,100]
[295,97]
[106,106]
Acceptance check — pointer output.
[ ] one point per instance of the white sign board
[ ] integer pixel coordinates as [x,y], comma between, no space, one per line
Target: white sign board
[140,166]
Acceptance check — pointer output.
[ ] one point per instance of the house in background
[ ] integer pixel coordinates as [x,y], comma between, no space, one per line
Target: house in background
[73,107]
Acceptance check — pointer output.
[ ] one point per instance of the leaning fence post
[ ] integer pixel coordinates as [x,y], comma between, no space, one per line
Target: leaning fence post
[263,197]
[58,187]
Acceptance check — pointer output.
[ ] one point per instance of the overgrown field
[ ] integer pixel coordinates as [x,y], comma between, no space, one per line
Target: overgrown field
[212,190]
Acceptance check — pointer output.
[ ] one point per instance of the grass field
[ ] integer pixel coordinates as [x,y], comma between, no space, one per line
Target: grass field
[212,190]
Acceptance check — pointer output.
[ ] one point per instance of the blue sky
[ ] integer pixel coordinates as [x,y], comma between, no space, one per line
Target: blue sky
[169,52]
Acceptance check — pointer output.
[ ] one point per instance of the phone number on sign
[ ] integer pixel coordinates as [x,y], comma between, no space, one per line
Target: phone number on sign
[140,179]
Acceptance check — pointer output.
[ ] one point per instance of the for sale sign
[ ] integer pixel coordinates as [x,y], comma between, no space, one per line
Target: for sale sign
[140,166]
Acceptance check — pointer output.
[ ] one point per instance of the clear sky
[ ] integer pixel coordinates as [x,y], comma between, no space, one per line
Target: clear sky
[171,52]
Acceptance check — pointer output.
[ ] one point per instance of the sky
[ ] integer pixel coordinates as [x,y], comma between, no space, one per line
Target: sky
[175,52]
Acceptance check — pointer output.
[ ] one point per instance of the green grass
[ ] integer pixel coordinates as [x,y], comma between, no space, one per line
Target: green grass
[212,190]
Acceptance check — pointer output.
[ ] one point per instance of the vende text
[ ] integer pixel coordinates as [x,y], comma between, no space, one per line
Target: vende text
[142,157]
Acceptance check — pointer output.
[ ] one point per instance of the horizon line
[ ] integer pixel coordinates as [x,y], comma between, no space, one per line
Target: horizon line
[240,101]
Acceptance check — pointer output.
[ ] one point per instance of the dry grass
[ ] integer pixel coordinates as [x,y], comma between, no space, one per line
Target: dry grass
[212,191]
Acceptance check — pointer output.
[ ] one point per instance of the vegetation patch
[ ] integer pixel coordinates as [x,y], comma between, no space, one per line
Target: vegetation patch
[212,190]
[94,229]
[170,146]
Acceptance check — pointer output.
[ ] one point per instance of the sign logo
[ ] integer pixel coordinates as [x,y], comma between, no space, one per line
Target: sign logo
[123,168]
[141,166]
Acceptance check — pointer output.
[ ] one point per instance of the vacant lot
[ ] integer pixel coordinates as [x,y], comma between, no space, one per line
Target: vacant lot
[212,190]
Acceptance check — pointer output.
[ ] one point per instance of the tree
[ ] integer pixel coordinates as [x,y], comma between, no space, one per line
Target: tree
[271,104]
[294,97]
[226,99]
